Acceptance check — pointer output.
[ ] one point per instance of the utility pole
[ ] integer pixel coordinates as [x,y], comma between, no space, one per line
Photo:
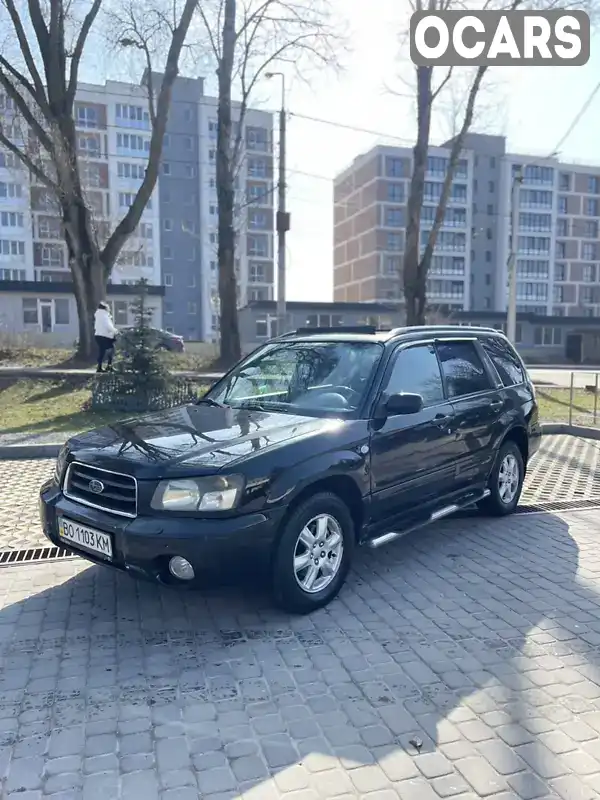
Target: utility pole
[283,217]
[511,312]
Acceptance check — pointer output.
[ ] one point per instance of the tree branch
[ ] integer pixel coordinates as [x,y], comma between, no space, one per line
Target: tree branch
[39,95]
[88,21]
[130,221]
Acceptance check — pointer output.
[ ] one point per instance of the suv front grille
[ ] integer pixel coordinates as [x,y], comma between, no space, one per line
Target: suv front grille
[100,488]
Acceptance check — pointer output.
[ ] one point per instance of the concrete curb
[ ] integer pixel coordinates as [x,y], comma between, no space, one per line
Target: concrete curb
[30,452]
[564,429]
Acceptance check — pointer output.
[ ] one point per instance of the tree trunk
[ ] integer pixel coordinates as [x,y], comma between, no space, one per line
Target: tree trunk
[89,273]
[415,279]
[229,328]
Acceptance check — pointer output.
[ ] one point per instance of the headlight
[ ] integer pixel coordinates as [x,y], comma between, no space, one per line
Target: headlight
[215,493]
[60,465]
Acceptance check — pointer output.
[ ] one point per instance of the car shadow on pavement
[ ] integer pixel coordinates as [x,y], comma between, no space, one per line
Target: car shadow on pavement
[462,659]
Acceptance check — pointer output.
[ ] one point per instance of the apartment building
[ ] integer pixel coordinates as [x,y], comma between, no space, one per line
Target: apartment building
[189,207]
[370,220]
[174,247]
[558,247]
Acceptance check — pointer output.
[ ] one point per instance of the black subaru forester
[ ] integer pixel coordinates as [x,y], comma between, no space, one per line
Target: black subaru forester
[317,442]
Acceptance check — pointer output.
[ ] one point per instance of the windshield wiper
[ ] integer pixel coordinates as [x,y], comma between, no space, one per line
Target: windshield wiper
[259,405]
[208,401]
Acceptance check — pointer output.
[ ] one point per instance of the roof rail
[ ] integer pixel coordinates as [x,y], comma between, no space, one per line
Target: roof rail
[364,329]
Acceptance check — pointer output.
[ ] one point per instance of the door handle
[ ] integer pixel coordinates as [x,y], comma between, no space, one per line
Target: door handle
[496,405]
[441,420]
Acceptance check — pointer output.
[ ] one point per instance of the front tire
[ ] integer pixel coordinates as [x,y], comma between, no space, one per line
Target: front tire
[314,554]
[506,482]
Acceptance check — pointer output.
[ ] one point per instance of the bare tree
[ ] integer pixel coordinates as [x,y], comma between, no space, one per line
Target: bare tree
[429,87]
[42,83]
[247,38]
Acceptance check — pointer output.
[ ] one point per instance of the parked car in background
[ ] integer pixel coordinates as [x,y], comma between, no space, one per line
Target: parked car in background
[162,340]
[317,442]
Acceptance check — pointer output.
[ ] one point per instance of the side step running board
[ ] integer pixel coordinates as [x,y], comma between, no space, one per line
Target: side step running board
[386,538]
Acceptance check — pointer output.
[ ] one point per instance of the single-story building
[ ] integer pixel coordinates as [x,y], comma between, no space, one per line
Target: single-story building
[46,313]
[540,339]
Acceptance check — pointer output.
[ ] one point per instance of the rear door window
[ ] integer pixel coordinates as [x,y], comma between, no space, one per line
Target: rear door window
[462,368]
[505,360]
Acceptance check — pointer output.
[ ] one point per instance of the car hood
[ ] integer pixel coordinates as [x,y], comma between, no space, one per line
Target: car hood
[201,438]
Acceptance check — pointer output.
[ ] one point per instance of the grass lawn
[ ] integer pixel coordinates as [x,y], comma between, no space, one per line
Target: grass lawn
[45,406]
[554,406]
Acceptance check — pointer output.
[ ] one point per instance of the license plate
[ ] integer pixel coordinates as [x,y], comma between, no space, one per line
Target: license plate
[85,538]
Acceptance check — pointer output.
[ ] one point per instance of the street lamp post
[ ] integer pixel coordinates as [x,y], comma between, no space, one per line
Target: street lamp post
[283,217]
[511,312]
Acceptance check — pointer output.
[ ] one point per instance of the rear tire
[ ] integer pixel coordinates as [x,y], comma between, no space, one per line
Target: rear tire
[506,482]
[314,554]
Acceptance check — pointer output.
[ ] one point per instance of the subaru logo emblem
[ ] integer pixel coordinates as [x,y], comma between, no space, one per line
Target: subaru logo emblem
[97,487]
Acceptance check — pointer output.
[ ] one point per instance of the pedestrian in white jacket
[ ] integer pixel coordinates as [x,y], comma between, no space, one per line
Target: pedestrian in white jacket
[105,335]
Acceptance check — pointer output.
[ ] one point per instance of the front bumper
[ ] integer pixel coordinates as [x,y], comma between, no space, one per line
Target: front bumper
[144,546]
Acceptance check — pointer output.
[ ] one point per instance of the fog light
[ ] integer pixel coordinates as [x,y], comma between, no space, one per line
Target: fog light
[181,568]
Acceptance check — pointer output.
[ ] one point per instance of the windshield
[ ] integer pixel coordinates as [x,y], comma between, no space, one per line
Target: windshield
[303,377]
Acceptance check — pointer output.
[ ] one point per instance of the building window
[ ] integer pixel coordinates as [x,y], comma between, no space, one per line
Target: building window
[256,272]
[11,219]
[589,251]
[10,190]
[532,245]
[591,206]
[166,168]
[127,170]
[257,168]
[548,337]
[61,311]
[492,187]
[132,114]
[192,308]
[590,229]
[594,184]
[188,144]
[212,154]
[168,224]
[167,252]
[589,273]
[10,247]
[133,142]
[30,311]
[560,272]
[395,192]
[394,167]
[168,308]
[190,171]
[257,220]
[562,227]
[394,241]
[258,246]
[393,218]
[188,114]
[192,282]
[564,182]
[168,278]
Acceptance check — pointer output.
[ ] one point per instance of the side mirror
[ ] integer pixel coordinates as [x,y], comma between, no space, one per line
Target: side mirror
[403,403]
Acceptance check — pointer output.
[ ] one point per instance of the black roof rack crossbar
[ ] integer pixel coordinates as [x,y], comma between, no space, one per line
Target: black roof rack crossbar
[359,329]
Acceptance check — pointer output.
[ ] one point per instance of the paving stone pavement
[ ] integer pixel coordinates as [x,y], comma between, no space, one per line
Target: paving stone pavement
[566,467]
[462,662]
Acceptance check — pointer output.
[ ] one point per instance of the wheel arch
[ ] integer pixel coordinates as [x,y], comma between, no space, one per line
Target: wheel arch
[342,486]
[518,435]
